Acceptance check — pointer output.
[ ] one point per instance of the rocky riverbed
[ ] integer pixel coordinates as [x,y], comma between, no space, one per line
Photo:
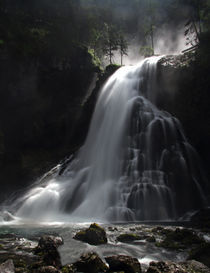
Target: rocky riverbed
[106,248]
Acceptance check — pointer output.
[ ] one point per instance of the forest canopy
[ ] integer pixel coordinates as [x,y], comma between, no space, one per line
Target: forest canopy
[45,28]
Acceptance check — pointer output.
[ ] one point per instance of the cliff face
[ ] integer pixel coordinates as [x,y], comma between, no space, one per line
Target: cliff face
[185,83]
[41,103]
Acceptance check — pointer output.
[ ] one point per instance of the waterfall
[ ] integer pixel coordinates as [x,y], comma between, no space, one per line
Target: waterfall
[136,164]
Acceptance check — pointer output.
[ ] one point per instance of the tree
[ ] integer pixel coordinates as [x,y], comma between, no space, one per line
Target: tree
[111,41]
[195,23]
[123,47]
[146,51]
[150,23]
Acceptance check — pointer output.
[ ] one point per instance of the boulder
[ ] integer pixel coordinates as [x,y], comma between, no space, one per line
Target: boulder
[128,237]
[123,263]
[180,239]
[49,241]
[195,266]
[183,267]
[94,235]
[7,267]
[47,250]
[90,262]
[166,267]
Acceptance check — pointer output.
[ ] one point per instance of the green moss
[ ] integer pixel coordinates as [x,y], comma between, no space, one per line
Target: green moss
[95,60]
[180,239]
[94,235]
[128,237]
[65,269]
[95,226]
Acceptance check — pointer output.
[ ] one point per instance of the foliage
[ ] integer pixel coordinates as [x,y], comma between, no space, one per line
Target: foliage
[123,47]
[110,41]
[146,51]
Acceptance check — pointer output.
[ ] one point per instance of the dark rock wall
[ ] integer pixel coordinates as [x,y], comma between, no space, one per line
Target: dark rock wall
[40,107]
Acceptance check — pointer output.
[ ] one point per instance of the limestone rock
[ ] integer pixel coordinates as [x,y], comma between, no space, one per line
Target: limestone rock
[123,263]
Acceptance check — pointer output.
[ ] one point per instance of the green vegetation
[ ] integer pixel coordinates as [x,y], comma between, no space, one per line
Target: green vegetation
[45,29]
[128,237]
[179,239]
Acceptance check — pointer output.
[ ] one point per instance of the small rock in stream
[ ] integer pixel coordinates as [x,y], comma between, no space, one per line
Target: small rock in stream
[128,237]
[90,262]
[94,235]
[123,263]
[166,267]
[47,250]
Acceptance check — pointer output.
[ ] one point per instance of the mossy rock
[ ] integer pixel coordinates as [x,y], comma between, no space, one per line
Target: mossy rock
[94,235]
[123,263]
[69,268]
[193,266]
[180,239]
[128,237]
[90,262]
[166,267]
[201,254]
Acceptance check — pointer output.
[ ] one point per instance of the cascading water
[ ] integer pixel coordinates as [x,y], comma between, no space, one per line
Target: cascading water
[136,163]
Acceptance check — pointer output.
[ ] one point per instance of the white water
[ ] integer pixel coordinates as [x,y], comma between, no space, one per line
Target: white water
[136,163]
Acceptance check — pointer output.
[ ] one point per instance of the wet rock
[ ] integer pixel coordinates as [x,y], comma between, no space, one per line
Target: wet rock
[49,241]
[184,267]
[7,267]
[123,263]
[151,239]
[69,268]
[179,239]
[201,254]
[47,250]
[166,267]
[195,267]
[112,229]
[128,237]
[48,269]
[90,262]
[94,235]
[157,229]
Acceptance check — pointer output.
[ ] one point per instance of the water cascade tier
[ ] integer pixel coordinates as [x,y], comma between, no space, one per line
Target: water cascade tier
[136,163]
